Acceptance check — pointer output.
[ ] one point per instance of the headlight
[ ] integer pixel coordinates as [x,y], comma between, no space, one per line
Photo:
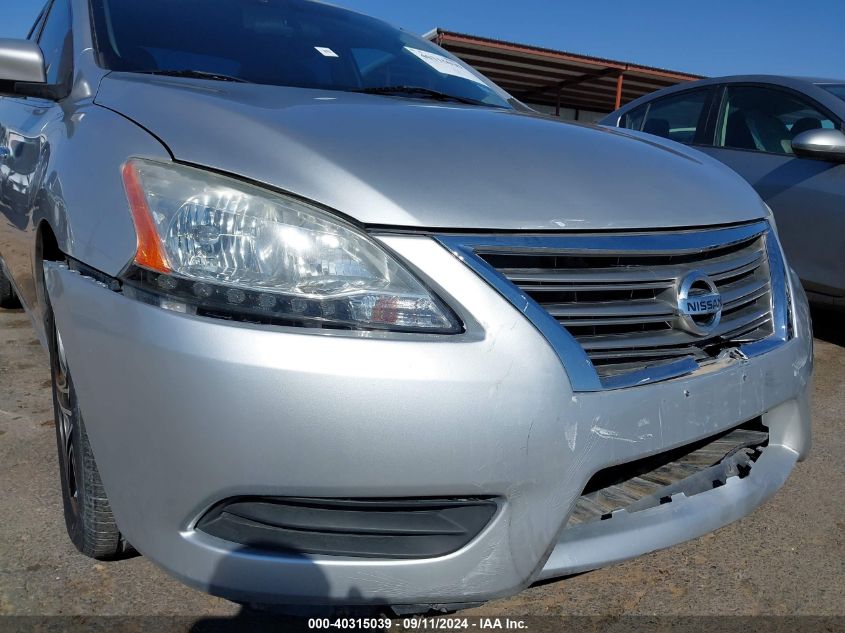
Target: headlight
[216,246]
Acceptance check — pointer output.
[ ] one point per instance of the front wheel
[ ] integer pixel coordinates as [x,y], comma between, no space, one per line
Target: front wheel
[88,515]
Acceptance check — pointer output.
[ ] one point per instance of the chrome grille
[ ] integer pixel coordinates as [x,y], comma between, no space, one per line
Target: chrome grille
[622,308]
[617,295]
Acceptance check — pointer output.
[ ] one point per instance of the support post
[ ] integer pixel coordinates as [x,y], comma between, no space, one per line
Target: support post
[619,79]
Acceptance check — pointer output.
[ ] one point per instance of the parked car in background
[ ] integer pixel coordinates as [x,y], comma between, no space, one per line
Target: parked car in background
[332,319]
[784,135]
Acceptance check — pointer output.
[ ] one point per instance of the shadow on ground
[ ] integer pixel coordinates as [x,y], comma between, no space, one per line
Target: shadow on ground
[310,581]
[829,325]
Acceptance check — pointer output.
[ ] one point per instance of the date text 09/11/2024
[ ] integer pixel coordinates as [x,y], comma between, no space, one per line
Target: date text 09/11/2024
[419,624]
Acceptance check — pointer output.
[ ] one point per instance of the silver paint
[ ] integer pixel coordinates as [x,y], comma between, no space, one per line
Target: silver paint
[387,161]
[824,144]
[21,60]
[183,411]
[495,412]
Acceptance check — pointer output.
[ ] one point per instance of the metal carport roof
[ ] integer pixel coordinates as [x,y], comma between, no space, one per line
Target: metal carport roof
[557,78]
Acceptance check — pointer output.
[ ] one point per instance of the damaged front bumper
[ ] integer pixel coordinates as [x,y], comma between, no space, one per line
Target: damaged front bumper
[184,413]
[699,504]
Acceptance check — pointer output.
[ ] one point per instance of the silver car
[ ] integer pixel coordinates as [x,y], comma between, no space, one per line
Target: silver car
[334,320]
[784,135]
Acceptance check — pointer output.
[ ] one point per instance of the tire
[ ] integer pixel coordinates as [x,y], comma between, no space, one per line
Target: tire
[8,298]
[88,515]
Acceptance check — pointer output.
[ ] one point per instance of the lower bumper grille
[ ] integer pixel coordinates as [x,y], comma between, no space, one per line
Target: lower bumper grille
[380,528]
[652,481]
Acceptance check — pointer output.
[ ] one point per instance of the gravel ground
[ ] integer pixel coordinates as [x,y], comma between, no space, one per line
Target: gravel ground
[787,557]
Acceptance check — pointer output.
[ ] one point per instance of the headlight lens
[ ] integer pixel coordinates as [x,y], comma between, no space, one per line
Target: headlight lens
[228,248]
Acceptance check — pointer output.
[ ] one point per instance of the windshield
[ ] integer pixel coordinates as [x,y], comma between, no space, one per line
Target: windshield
[837,89]
[280,42]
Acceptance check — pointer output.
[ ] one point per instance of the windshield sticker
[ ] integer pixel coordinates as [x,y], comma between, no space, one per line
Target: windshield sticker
[444,65]
[325,52]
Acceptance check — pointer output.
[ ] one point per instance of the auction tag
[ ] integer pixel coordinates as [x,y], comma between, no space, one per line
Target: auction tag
[444,65]
[325,52]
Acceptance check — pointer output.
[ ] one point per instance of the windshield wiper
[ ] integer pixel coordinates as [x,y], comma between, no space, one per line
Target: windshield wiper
[419,91]
[196,74]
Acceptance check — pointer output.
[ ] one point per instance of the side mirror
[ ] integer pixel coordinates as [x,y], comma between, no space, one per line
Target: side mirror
[821,144]
[21,61]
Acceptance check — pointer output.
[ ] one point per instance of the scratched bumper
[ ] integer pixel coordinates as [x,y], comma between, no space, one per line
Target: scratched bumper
[183,412]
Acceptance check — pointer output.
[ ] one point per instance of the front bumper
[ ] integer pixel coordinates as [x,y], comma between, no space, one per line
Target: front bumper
[184,412]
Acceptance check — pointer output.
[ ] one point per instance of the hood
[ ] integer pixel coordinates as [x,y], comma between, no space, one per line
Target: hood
[410,163]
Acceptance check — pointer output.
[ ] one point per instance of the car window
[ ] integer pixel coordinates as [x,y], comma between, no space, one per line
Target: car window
[633,120]
[57,43]
[279,42]
[837,90]
[676,117]
[765,119]
[36,26]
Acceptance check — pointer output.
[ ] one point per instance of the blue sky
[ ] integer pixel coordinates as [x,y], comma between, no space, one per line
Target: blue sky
[719,37]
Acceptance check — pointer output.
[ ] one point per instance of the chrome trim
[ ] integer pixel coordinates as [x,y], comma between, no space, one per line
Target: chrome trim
[779,296]
[574,359]
[777,272]
[680,242]
[655,373]
[579,368]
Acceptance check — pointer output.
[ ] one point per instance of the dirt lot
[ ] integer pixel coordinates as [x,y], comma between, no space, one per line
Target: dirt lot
[788,557]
